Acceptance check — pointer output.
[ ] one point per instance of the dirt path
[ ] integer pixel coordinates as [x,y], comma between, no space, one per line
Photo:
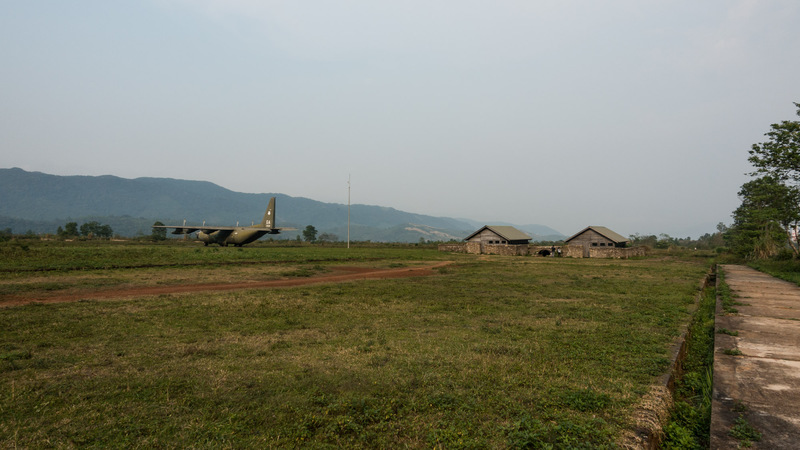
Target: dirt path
[345,274]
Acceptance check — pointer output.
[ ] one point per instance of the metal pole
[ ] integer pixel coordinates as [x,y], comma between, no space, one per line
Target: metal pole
[348,211]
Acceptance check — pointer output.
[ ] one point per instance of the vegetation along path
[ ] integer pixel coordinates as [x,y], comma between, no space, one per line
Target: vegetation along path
[341,274]
[757,362]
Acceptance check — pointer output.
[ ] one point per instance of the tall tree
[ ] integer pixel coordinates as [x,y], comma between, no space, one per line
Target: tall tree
[159,234]
[310,234]
[89,229]
[764,222]
[104,231]
[71,229]
[779,157]
[768,217]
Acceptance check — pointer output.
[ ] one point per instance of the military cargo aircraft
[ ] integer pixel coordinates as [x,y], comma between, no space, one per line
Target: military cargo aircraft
[237,235]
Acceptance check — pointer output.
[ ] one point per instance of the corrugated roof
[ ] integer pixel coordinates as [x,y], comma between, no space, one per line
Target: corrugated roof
[508,233]
[616,237]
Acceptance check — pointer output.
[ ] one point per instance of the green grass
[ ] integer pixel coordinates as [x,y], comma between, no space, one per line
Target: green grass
[82,255]
[745,433]
[690,418]
[728,332]
[726,295]
[788,270]
[502,352]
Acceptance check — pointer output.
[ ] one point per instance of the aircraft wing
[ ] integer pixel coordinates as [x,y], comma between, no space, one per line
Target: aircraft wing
[279,229]
[182,229]
[275,230]
[179,229]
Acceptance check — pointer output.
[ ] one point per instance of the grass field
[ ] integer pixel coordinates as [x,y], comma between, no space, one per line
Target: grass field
[50,256]
[489,352]
[788,270]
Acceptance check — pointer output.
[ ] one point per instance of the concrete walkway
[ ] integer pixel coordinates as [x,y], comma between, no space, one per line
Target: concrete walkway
[762,384]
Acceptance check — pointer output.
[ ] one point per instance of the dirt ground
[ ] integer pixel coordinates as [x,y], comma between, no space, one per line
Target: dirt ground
[336,275]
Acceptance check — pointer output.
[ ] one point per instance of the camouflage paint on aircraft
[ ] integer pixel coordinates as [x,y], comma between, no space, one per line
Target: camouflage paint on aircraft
[237,236]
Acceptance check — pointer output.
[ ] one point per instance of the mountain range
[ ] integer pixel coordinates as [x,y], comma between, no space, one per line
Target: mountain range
[39,202]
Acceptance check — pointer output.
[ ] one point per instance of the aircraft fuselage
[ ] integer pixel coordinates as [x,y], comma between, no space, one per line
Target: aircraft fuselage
[237,237]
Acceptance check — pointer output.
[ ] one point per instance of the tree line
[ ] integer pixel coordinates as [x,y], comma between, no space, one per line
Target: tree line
[708,241]
[88,229]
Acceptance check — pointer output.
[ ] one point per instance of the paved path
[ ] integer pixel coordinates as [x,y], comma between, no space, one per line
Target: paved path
[762,385]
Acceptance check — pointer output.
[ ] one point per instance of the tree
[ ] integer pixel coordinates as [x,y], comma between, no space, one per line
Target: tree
[94,229]
[159,234]
[712,241]
[310,234]
[71,229]
[779,157]
[639,240]
[767,219]
[328,237]
[763,223]
[666,241]
[87,229]
[104,231]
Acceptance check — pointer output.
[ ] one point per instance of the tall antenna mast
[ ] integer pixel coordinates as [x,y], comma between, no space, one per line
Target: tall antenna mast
[348,210]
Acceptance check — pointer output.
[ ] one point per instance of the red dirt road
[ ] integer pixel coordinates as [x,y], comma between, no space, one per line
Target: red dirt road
[350,274]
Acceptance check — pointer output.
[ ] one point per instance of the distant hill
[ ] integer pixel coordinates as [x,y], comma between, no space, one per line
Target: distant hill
[41,203]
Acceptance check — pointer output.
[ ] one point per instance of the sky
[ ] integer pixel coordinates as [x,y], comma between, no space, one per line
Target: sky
[632,114]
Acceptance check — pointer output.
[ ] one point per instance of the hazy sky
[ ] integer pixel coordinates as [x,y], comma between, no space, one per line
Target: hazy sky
[635,114]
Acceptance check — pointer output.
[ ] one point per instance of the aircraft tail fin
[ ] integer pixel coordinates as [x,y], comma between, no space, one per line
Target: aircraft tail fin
[269,216]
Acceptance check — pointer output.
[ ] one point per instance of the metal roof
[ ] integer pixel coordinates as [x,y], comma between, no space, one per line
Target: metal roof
[603,231]
[506,232]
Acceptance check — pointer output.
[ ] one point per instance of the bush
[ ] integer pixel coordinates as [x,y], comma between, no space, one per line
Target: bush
[784,255]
